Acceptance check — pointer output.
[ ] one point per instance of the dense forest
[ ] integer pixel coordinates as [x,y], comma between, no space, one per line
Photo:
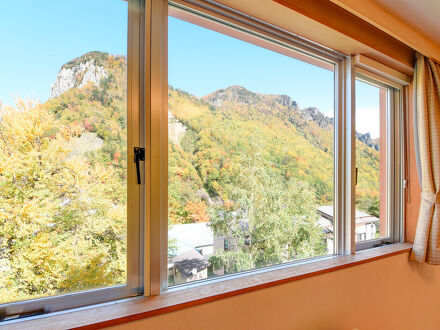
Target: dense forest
[253,166]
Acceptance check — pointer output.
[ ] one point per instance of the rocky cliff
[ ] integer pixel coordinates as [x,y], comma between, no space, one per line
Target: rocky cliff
[238,94]
[91,67]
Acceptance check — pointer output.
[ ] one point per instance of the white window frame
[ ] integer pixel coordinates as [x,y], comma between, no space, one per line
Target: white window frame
[396,185]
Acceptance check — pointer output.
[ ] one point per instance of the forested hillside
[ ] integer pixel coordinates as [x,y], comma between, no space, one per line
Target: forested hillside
[247,163]
[63,184]
[210,136]
[256,167]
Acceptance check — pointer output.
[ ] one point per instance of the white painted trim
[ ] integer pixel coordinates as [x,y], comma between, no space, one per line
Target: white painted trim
[381,70]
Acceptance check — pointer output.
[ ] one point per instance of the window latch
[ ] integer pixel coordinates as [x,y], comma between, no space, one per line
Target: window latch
[139,155]
[356,177]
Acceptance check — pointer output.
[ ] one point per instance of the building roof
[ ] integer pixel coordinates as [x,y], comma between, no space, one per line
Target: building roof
[326,225]
[326,211]
[190,236]
[189,263]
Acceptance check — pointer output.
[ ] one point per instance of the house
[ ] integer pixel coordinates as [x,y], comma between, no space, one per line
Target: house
[198,236]
[193,244]
[367,226]
[188,266]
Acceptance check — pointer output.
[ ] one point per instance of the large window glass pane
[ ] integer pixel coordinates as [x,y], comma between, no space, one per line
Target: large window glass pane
[250,154]
[63,146]
[372,103]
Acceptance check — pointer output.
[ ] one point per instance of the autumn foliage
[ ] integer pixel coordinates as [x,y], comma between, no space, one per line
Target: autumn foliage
[63,193]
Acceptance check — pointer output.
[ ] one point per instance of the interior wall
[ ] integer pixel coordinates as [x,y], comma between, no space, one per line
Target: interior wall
[304,26]
[337,18]
[386,21]
[390,293]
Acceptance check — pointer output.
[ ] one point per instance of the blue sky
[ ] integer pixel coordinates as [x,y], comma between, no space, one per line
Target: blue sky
[367,109]
[202,61]
[39,36]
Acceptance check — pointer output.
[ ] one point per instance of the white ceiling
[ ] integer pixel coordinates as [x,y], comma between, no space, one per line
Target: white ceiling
[422,15]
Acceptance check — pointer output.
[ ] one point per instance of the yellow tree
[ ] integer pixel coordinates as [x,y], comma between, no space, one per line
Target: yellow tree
[62,226]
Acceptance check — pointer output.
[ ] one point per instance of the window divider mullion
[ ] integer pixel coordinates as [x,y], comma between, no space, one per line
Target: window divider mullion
[158,146]
[350,157]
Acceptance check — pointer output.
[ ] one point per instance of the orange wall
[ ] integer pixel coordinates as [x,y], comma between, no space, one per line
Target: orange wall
[390,293]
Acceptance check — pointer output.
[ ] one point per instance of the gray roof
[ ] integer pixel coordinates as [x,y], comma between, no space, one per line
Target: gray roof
[186,262]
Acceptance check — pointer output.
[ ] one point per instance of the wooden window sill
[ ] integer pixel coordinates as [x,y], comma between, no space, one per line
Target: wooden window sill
[128,310]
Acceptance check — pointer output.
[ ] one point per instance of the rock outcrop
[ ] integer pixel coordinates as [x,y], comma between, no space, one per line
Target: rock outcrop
[176,130]
[313,114]
[78,75]
[366,139]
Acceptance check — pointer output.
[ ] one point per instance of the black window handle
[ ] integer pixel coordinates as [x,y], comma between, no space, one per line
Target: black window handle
[139,155]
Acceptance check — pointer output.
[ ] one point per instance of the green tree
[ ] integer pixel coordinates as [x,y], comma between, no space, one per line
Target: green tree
[269,221]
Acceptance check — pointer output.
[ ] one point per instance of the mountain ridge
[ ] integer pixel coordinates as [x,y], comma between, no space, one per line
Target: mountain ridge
[239,94]
[93,67]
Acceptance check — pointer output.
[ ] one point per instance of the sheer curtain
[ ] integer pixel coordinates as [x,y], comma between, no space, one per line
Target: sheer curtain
[427,139]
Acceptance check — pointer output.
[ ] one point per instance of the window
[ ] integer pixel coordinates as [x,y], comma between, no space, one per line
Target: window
[372,105]
[69,200]
[247,164]
[250,157]
[378,143]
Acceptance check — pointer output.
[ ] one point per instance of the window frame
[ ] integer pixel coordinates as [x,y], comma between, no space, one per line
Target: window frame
[346,70]
[269,33]
[135,268]
[147,103]
[395,157]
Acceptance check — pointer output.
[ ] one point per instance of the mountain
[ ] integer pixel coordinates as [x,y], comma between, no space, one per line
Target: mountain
[240,95]
[211,137]
[90,67]
[90,91]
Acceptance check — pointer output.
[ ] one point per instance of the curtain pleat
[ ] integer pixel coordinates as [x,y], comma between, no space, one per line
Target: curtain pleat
[426,246]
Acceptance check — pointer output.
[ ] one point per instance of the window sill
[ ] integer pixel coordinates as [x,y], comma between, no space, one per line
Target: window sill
[128,310]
